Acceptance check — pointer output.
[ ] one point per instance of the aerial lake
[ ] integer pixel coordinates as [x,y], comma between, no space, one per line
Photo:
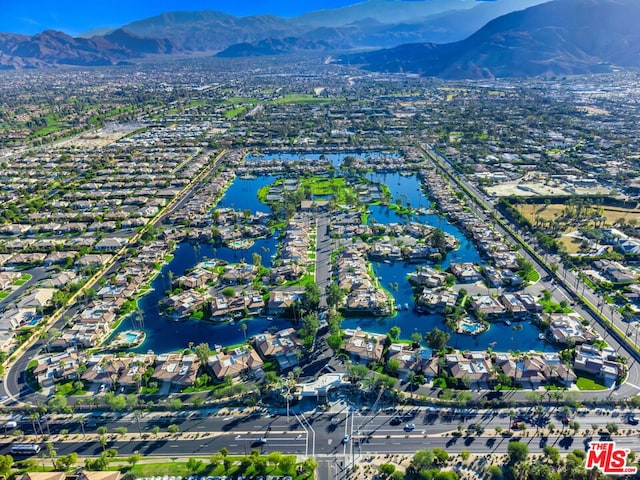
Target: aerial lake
[163,334]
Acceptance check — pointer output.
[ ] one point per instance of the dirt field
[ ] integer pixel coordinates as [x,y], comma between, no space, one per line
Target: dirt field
[554,211]
[571,244]
[98,138]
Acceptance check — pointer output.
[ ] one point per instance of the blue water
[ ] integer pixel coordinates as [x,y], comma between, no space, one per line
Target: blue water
[165,335]
[334,158]
[243,194]
[472,327]
[130,337]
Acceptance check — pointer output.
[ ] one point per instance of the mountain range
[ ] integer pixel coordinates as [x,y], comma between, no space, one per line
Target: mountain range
[56,48]
[368,24]
[557,38]
[435,37]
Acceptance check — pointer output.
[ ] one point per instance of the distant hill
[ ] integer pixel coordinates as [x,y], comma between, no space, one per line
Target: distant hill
[371,23]
[370,33]
[51,48]
[138,45]
[272,47]
[559,37]
[383,11]
[209,30]
[96,32]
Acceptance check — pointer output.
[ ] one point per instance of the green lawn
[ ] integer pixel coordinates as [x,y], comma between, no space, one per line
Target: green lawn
[589,383]
[235,100]
[181,469]
[234,112]
[22,280]
[64,389]
[301,98]
[533,276]
[3,295]
[330,186]
[553,307]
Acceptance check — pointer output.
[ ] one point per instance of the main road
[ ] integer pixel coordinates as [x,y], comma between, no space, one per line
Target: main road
[343,435]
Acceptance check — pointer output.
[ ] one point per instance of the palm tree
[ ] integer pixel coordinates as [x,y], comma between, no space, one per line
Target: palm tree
[35,417]
[511,415]
[43,411]
[137,414]
[411,378]
[82,420]
[243,327]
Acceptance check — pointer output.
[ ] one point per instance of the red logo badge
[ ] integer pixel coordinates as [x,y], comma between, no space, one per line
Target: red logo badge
[609,459]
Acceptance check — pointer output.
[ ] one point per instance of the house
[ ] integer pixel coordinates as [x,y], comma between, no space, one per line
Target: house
[487,305]
[363,347]
[472,367]
[105,475]
[419,361]
[529,302]
[60,279]
[615,272]
[238,274]
[38,298]
[369,300]
[104,369]
[44,476]
[131,376]
[281,346]
[600,363]
[280,299]
[197,278]
[176,369]
[568,329]
[60,366]
[428,277]
[110,244]
[236,362]
[465,272]
[513,305]
[13,318]
[493,276]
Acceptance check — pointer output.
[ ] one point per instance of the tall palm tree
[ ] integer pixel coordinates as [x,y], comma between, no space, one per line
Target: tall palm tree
[137,414]
[82,420]
[243,327]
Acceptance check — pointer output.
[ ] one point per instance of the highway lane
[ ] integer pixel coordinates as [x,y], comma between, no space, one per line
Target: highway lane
[293,443]
[324,432]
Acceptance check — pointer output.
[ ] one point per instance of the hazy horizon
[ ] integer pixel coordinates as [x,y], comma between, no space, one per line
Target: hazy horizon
[75,17]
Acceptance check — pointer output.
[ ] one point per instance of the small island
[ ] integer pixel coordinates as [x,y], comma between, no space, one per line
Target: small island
[128,339]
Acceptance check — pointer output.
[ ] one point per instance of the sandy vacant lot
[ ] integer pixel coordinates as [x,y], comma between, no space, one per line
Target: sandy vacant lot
[554,211]
[99,138]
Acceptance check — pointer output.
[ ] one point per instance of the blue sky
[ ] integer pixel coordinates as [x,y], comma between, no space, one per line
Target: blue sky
[77,16]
